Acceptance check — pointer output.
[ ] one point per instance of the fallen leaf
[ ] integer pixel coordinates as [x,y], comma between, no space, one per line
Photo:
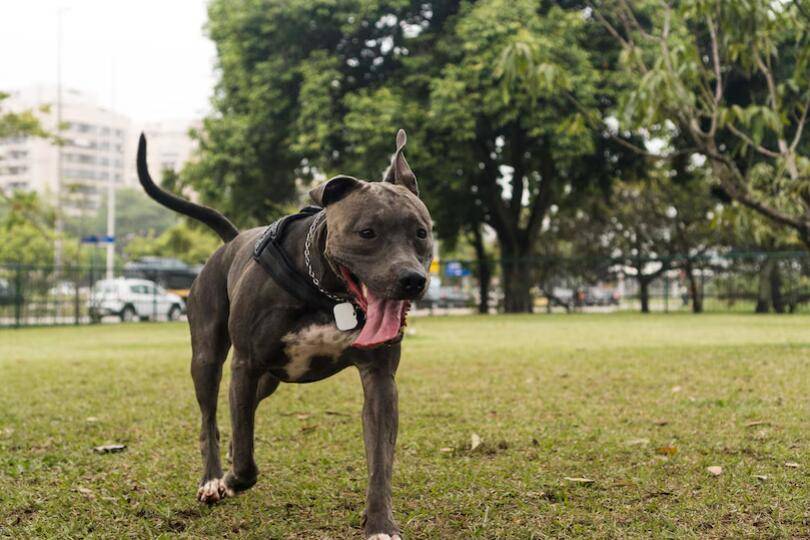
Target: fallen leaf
[302,416]
[109,448]
[757,423]
[761,477]
[792,465]
[676,389]
[445,449]
[91,419]
[666,450]
[715,470]
[660,422]
[638,442]
[579,480]
[475,441]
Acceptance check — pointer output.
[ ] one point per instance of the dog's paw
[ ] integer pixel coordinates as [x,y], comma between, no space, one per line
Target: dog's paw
[213,491]
[382,536]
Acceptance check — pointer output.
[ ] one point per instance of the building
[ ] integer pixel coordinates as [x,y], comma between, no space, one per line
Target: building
[95,144]
[99,144]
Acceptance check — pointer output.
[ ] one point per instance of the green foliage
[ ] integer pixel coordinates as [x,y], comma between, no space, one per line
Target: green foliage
[728,79]
[13,124]
[27,234]
[191,245]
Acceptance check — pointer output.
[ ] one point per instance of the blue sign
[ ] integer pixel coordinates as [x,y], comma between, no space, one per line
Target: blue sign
[455,269]
[93,239]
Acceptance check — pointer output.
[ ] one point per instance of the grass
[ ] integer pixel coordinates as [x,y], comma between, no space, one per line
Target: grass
[640,405]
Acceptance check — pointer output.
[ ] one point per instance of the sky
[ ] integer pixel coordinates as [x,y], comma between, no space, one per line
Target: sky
[149,59]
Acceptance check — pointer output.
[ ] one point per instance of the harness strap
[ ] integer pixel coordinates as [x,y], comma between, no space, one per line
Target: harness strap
[276,262]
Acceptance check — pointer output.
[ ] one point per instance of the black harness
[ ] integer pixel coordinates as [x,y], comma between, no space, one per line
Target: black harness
[272,257]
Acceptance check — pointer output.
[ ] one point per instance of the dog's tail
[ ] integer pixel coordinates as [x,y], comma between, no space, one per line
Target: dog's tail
[221,225]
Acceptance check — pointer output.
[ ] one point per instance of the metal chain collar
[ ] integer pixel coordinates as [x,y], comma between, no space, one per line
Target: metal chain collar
[308,261]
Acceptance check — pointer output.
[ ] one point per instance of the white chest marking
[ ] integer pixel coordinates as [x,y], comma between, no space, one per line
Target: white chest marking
[314,340]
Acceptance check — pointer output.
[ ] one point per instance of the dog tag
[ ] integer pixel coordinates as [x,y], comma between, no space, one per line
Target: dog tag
[345,316]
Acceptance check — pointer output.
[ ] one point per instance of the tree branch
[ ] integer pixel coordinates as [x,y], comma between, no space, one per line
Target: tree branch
[758,147]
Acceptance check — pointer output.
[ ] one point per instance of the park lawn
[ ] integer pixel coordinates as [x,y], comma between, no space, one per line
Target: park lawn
[639,405]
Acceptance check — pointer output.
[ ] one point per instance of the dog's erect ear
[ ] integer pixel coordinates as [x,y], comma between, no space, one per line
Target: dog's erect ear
[333,190]
[399,172]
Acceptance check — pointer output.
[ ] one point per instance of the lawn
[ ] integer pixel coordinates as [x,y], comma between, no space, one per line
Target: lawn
[638,406]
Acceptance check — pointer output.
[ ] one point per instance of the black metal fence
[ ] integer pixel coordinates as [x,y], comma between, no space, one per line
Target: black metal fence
[43,295]
[742,282]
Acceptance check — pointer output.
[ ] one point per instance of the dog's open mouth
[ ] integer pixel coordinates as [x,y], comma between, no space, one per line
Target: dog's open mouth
[385,317]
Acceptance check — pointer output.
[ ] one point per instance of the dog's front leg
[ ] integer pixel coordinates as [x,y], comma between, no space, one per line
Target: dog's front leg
[380,420]
[242,398]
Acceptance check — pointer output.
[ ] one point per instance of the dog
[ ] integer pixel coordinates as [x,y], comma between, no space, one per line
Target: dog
[371,246]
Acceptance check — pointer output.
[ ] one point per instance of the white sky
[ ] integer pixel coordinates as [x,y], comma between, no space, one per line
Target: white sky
[163,63]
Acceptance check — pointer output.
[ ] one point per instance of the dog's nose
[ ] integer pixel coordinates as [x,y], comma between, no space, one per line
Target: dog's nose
[412,283]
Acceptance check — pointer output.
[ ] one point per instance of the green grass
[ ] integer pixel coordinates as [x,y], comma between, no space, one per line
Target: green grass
[596,396]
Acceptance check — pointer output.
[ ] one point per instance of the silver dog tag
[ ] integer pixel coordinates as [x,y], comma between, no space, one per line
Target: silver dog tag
[345,316]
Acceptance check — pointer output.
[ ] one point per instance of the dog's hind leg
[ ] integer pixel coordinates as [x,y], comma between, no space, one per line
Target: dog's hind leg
[208,355]
[208,320]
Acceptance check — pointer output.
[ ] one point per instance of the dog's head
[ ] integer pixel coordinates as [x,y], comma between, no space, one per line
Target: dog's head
[379,241]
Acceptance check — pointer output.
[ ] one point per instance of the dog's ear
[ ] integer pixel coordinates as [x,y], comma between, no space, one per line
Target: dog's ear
[333,190]
[399,172]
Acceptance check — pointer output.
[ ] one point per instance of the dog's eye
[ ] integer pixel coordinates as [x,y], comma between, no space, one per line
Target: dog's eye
[368,234]
[421,233]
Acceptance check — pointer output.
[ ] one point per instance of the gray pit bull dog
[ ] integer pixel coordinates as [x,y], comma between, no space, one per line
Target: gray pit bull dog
[372,244]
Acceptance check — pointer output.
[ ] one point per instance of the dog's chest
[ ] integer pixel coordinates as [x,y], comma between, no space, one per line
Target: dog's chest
[314,349]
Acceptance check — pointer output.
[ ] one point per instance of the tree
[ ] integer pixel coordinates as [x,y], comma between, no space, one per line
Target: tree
[27,233]
[15,124]
[312,88]
[749,231]
[728,80]
[190,245]
[660,225]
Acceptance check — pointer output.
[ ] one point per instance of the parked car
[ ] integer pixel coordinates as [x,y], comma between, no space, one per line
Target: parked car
[602,296]
[132,299]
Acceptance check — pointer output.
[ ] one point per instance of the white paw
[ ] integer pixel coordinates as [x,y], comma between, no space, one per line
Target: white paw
[213,491]
[382,536]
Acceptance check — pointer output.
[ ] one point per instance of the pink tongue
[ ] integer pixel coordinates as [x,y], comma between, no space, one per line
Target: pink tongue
[383,321]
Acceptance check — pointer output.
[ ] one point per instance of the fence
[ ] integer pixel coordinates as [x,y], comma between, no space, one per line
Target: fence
[40,295]
[746,282]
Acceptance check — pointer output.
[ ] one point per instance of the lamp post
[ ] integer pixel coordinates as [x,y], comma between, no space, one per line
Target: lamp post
[59,224]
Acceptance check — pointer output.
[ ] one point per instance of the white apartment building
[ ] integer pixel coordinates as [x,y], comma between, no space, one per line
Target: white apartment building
[99,144]
[94,149]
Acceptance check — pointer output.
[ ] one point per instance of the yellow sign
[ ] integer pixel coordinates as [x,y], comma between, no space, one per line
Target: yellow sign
[434,267]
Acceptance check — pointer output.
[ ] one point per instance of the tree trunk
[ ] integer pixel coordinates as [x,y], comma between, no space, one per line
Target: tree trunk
[694,289]
[517,283]
[776,289]
[764,290]
[644,294]
[484,271]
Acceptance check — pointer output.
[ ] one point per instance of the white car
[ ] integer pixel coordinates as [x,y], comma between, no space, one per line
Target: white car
[132,299]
